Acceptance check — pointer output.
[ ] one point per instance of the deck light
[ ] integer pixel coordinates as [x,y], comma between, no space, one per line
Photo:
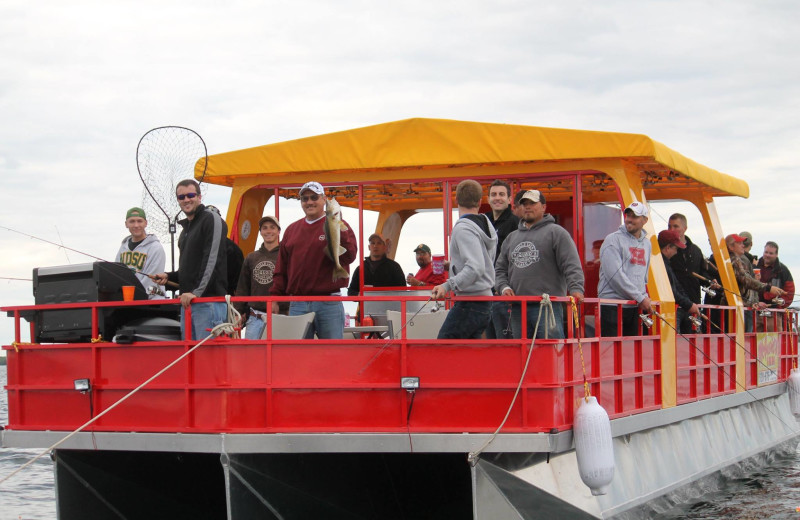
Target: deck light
[409,383]
[82,385]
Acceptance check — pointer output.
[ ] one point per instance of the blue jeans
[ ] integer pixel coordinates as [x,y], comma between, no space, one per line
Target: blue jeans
[205,316]
[500,324]
[533,314]
[254,328]
[466,320]
[328,318]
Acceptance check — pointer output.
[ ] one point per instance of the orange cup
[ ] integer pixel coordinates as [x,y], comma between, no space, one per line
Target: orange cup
[127,292]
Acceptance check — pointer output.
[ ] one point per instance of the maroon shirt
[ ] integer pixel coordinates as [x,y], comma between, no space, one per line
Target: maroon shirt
[303,268]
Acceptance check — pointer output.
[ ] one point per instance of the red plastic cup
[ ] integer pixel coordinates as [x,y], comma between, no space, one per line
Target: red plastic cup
[438,264]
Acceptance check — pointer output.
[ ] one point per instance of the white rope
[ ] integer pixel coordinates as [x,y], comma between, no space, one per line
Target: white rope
[234,317]
[545,307]
[222,328]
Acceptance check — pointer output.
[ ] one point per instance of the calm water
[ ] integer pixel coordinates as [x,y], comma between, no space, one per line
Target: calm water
[771,492]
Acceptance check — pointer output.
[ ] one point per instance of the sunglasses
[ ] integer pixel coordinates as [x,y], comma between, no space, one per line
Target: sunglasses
[306,198]
[185,195]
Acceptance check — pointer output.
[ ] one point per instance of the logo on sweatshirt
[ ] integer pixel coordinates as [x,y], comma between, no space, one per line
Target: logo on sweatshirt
[262,272]
[524,255]
[637,256]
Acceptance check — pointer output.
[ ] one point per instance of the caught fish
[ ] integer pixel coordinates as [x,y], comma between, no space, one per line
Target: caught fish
[333,235]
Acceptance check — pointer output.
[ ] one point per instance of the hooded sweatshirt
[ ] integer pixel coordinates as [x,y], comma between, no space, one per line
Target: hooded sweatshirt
[472,248]
[147,257]
[539,260]
[624,262]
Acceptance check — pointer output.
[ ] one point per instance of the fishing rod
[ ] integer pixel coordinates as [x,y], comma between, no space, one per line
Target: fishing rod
[726,372]
[19,279]
[152,277]
[703,278]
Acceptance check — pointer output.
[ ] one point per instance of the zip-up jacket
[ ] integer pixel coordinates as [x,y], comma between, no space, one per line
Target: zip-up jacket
[203,268]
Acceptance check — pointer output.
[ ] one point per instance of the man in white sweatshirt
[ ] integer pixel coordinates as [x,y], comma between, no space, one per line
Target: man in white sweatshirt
[143,253]
[473,244]
[624,263]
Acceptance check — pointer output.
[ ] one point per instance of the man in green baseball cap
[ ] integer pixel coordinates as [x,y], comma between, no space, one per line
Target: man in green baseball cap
[425,275]
[143,253]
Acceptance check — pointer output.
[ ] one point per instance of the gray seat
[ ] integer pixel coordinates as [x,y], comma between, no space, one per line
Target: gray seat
[424,325]
[290,327]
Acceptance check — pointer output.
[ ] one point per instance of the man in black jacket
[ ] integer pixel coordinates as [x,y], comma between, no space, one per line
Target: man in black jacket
[504,221]
[670,245]
[687,260]
[379,270]
[202,271]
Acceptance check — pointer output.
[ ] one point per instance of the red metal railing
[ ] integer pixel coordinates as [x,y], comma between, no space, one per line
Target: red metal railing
[349,385]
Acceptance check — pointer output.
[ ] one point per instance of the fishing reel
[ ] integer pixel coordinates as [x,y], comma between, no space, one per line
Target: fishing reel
[697,323]
[647,321]
[708,290]
[778,301]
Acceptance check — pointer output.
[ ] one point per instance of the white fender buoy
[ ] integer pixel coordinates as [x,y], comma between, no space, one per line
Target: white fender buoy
[793,387]
[594,446]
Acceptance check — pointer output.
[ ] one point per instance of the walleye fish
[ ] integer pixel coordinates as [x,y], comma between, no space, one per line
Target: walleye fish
[333,234]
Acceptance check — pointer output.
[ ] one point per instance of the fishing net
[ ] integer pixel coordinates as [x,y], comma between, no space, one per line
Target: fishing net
[165,156]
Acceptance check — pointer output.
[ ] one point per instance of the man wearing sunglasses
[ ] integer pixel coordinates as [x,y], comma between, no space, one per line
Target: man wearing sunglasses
[303,269]
[202,270]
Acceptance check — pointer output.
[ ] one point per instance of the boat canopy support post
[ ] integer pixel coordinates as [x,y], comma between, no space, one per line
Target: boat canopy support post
[629,181]
[247,206]
[716,238]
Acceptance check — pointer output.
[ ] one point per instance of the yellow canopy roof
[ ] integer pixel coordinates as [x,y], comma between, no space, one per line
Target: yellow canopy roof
[430,145]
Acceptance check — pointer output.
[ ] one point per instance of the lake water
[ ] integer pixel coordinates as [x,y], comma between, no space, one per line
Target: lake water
[771,492]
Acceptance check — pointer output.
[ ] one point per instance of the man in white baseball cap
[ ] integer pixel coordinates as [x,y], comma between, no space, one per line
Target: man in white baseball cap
[624,264]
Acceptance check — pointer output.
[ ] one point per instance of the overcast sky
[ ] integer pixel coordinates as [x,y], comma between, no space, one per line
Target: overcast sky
[82,81]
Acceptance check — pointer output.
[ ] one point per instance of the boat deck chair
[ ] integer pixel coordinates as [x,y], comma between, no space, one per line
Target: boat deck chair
[424,325]
[290,327]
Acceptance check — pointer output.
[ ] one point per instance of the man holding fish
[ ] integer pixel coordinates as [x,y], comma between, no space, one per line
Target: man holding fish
[314,259]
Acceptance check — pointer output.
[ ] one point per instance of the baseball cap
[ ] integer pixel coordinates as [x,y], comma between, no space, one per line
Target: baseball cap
[268,218]
[135,212]
[533,196]
[748,238]
[313,186]
[422,247]
[733,237]
[376,235]
[668,237]
[639,209]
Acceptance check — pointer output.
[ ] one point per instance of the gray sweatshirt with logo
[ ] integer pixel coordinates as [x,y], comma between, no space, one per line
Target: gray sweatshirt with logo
[539,260]
[624,263]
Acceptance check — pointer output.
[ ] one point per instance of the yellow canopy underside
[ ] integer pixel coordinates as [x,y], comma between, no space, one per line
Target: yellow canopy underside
[419,144]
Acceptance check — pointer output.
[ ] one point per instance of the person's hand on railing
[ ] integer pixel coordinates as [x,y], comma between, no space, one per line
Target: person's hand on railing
[646,306]
[578,296]
[694,309]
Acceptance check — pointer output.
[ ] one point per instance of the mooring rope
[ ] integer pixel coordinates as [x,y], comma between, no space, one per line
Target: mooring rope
[546,308]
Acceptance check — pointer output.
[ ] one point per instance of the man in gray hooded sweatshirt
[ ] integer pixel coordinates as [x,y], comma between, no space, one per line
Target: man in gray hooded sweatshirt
[538,258]
[473,243]
[624,263]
